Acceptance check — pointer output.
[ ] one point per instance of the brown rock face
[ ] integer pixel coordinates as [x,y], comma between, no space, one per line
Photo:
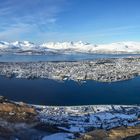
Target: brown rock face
[121,133]
[14,112]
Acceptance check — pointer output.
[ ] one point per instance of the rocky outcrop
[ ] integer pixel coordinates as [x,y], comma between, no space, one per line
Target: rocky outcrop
[121,133]
[16,112]
[22,121]
[17,120]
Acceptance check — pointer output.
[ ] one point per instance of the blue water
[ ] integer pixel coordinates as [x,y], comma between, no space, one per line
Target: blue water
[59,57]
[49,92]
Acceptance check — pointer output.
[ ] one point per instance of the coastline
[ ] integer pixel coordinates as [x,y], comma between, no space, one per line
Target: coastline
[102,70]
[68,121]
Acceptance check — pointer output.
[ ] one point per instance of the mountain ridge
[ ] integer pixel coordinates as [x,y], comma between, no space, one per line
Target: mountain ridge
[79,47]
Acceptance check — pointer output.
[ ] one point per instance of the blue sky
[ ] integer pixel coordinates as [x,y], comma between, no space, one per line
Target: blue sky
[95,21]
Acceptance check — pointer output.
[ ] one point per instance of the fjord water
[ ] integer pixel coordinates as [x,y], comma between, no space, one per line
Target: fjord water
[50,92]
[60,57]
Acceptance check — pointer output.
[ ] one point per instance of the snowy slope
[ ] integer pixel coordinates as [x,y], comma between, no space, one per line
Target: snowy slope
[58,136]
[25,45]
[124,47]
[119,47]
[130,47]
[4,45]
[82,118]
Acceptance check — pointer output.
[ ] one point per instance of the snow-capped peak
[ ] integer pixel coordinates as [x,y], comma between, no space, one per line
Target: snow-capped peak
[3,44]
[64,45]
[118,47]
[121,47]
[23,45]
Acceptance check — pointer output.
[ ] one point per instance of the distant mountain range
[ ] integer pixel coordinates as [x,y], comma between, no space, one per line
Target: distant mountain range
[68,47]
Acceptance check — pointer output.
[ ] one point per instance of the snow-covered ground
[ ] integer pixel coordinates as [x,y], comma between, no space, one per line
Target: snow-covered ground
[102,70]
[77,120]
[69,47]
[70,122]
[84,118]
[59,136]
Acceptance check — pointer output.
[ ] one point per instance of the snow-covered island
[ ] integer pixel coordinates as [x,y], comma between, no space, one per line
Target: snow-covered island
[26,47]
[103,70]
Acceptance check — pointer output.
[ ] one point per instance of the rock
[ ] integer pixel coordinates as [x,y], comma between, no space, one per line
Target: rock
[16,118]
[11,111]
[136,137]
[2,99]
[95,135]
[121,133]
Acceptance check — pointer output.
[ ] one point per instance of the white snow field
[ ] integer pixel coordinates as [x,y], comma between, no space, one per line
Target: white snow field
[79,47]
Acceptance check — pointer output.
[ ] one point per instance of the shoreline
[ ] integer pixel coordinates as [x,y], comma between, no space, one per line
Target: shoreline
[68,121]
[101,70]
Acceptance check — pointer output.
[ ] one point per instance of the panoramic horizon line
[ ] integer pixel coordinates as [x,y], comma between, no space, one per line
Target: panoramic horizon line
[78,41]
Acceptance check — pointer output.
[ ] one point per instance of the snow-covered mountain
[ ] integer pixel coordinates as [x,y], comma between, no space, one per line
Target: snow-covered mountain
[70,47]
[120,47]
[4,45]
[25,45]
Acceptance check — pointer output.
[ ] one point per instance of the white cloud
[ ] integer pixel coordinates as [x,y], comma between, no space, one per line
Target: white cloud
[17,18]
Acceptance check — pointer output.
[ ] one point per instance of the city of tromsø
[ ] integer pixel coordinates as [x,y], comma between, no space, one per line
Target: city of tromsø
[54,86]
[59,120]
